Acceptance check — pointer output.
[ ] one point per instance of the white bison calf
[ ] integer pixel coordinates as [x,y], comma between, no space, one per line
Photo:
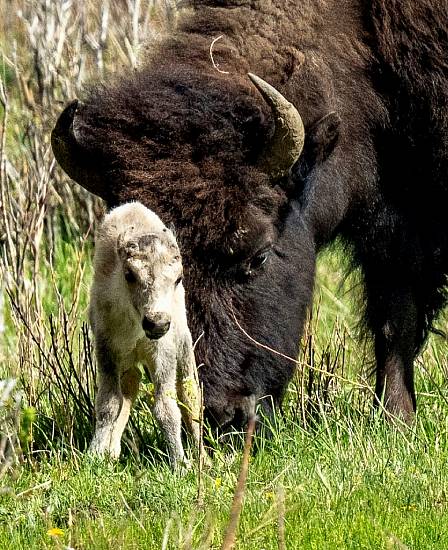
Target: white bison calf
[137,312]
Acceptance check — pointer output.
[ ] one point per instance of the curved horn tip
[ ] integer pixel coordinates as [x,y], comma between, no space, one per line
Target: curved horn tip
[260,83]
[269,93]
[69,110]
[64,123]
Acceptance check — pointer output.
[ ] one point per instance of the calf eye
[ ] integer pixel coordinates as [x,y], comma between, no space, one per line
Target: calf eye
[130,277]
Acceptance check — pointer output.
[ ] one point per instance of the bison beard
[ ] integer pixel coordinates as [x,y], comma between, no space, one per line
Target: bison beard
[370,82]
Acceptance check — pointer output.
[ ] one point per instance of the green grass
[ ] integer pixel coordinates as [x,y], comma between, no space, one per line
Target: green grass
[348,479]
[349,484]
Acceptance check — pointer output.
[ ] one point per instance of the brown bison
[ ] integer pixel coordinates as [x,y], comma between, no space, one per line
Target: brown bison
[255,186]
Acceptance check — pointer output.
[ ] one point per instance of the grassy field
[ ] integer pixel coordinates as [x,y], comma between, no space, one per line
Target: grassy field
[332,475]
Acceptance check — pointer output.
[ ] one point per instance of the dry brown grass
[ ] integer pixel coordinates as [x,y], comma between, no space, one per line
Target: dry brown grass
[49,50]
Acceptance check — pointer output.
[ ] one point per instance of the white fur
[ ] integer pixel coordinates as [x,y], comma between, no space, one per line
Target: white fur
[117,309]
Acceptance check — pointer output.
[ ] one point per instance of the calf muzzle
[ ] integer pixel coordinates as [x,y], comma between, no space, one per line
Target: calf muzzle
[156,326]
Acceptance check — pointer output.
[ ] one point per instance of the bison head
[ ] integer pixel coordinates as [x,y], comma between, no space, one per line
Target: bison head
[222,160]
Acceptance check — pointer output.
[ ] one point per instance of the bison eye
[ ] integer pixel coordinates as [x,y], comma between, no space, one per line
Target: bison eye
[258,260]
[130,277]
[179,280]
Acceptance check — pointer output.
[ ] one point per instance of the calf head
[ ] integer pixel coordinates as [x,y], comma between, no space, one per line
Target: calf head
[151,269]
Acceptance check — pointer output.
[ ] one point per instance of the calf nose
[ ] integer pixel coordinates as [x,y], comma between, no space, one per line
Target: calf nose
[155,326]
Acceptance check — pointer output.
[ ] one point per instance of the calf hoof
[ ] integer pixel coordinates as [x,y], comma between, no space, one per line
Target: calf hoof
[102,451]
[181,466]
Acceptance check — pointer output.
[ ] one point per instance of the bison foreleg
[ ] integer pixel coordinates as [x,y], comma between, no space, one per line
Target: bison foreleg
[395,323]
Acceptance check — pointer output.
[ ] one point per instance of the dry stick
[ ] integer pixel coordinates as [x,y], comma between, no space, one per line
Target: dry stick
[188,538]
[438,389]
[129,509]
[3,176]
[166,534]
[27,492]
[281,517]
[215,65]
[201,450]
[237,504]
[296,361]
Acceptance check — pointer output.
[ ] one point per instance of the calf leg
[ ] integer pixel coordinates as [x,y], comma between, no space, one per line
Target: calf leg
[129,382]
[167,413]
[116,392]
[108,405]
[393,316]
[189,395]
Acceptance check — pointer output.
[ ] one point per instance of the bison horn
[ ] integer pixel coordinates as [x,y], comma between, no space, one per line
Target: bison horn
[289,135]
[69,151]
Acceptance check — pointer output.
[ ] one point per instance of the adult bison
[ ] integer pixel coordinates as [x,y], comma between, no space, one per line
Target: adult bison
[222,157]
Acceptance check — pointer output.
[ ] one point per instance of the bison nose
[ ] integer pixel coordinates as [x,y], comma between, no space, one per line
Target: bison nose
[156,326]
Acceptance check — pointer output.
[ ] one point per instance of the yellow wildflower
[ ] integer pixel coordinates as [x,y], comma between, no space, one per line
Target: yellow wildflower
[55,532]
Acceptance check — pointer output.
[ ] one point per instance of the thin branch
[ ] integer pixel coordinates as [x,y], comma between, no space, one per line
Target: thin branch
[215,65]
[237,504]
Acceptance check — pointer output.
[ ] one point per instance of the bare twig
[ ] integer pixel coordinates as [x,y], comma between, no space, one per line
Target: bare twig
[38,487]
[281,517]
[129,509]
[237,504]
[215,65]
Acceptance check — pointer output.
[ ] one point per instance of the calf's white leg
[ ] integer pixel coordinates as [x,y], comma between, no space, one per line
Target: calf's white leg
[166,409]
[117,391]
[129,382]
[188,392]
[108,406]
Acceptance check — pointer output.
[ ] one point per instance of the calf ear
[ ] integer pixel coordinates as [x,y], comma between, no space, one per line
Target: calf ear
[320,140]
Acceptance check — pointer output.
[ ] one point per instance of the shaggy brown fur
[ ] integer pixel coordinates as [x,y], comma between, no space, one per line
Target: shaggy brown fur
[370,81]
